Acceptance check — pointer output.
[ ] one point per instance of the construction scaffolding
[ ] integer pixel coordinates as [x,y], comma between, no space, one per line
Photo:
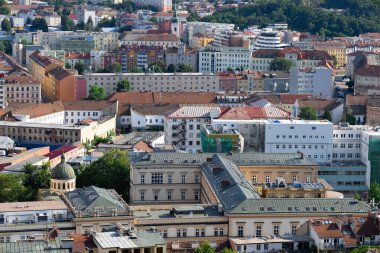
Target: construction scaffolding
[220,140]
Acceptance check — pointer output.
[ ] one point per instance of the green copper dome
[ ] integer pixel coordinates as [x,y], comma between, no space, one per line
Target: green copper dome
[62,171]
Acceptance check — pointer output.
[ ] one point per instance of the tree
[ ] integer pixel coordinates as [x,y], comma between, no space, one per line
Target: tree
[157,67]
[205,247]
[12,189]
[153,19]
[374,191]
[66,11]
[36,177]
[28,21]
[6,47]
[308,113]
[123,85]
[280,64]
[350,119]
[113,68]
[112,172]
[186,68]
[136,70]
[67,24]
[96,93]
[89,25]
[24,41]
[171,68]
[6,25]
[327,115]
[79,26]
[365,249]
[335,61]
[357,196]
[80,67]
[67,65]
[4,10]
[227,250]
[40,24]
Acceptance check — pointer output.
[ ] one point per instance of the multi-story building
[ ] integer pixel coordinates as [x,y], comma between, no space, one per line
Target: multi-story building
[160,40]
[200,40]
[161,5]
[273,39]
[182,127]
[318,81]
[72,58]
[334,48]
[227,81]
[155,82]
[367,80]
[182,55]
[57,134]
[262,58]
[217,59]
[231,39]
[106,41]
[193,28]
[19,88]
[250,123]
[77,42]
[312,138]
[139,56]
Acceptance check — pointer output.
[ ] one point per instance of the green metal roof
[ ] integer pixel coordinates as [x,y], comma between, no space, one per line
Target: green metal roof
[62,171]
[299,205]
[33,247]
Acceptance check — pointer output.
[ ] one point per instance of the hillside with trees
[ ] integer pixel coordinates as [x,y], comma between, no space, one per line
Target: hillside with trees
[324,17]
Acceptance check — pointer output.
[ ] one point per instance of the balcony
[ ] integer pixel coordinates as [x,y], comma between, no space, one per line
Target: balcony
[331,246]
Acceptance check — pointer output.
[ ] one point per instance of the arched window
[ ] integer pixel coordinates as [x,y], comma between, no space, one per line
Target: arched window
[59,186]
[63,186]
[55,186]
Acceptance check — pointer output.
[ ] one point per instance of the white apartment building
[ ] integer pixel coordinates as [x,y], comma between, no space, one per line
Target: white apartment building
[182,127]
[313,138]
[262,58]
[217,59]
[347,142]
[192,28]
[155,82]
[33,216]
[161,40]
[269,38]
[318,81]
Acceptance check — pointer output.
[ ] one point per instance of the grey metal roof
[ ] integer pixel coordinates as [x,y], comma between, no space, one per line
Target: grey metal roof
[6,142]
[91,199]
[258,159]
[143,239]
[228,182]
[33,247]
[299,205]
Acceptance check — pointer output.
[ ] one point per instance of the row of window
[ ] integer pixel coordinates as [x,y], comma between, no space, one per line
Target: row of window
[348,135]
[169,195]
[158,178]
[349,145]
[303,136]
[343,155]
[268,178]
[275,231]
[199,232]
[302,146]
[83,114]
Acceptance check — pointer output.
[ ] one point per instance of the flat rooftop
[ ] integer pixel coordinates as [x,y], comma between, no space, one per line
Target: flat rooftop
[299,122]
[32,206]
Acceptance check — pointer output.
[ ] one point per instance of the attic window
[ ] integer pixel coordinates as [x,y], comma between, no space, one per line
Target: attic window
[332,208]
[262,209]
[290,208]
[308,209]
[314,209]
[154,161]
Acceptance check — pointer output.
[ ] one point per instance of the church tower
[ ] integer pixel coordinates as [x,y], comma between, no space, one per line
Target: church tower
[175,23]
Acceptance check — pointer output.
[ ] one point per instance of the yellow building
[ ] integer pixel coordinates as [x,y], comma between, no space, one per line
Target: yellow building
[334,48]
[242,82]
[201,40]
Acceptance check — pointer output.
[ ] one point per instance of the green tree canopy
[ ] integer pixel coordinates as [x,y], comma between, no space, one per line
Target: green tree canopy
[374,191]
[308,113]
[113,68]
[89,25]
[171,68]
[6,25]
[111,170]
[350,119]
[40,24]
[96,93]
[186,68]
[36,177]
[327,115]
[228,250]
[157,67]
[80,67]
[280,64]
[205,247]
[67,24]
[123,85]
[12,189]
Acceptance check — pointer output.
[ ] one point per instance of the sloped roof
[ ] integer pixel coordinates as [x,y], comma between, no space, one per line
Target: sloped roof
[82,105]
[247,113]
[228,182]
[369,70]
[38,110]
[59,73]
[318,104]
[89,199]
[193,112]
[291,98]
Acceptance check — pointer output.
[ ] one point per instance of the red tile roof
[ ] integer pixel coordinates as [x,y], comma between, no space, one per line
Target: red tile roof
[369,70]
[248,113]
[291,98]
[59,151]
[142,146]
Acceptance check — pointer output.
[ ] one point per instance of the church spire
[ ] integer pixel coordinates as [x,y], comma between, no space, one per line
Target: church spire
[175,18]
